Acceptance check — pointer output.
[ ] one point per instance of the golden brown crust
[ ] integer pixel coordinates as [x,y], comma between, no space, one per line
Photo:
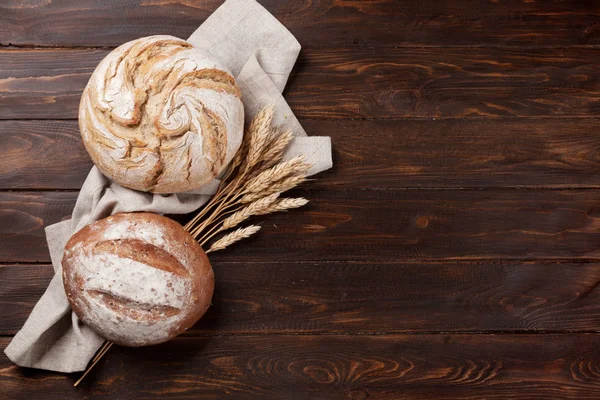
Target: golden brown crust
[137,278]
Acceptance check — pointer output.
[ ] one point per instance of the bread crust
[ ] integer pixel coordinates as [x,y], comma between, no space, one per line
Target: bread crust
[159,115]
[137,279]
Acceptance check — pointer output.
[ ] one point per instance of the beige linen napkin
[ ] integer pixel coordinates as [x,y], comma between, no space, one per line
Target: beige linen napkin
[261,53]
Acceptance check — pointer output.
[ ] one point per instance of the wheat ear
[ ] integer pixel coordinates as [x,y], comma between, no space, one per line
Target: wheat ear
[273,152]
[259,133]
[255,208]
[278,187]
[283,205]
[233,237]
[274,174]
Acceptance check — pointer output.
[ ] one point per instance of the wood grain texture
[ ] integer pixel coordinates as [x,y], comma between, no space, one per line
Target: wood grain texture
[370,225]
[361,83]
[344,23]
[23,217]
[485,153]
[379,298]
[42,155]
[452,252]
[333,367]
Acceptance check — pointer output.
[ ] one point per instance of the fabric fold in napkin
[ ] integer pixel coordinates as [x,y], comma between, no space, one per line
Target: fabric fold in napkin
[261,53]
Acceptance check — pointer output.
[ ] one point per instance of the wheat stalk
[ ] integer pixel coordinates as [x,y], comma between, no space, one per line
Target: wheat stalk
[233,237]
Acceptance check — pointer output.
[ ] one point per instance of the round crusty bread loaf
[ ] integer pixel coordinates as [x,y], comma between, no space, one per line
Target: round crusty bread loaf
[137,278]
[159,115]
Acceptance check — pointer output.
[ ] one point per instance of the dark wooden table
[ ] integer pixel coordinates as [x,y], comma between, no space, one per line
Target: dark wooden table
[452,252]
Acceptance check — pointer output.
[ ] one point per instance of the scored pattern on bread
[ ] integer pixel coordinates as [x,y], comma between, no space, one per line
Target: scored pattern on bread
[141,252]
[159,115]
[128,279]
[142,312]
[137,278]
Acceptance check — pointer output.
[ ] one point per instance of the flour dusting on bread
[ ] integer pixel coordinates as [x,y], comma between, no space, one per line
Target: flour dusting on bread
[159,115]
[137,278]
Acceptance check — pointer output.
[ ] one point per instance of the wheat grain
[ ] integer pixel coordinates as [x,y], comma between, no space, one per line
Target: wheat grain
[274,174]
[281,186]
[258,136]
[233,237]
[283,205]
[255,208]
[275,150]
[273,153]
[241,154]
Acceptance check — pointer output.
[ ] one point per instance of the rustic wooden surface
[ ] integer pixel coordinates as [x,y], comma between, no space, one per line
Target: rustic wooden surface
[451,253]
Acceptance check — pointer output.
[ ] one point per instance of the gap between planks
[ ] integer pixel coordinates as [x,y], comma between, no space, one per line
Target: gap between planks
[366,189]
[390,333]
[409,262]
[10,46]
[387,119]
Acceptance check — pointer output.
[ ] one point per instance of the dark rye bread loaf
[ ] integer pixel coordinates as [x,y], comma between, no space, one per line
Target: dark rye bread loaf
[137,278]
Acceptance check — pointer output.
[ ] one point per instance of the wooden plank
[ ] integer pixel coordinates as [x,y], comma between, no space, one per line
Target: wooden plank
[38,84]
[369,297]
[355,83]
[42,155]
[23,217]
[499,367]
[542,153]
[370,225]
[349,23]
